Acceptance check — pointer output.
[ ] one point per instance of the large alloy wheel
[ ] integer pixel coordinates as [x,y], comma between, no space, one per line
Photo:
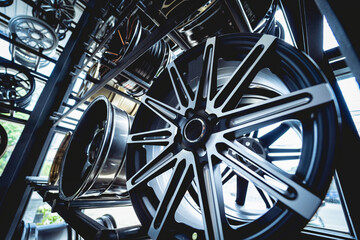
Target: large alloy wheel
[235,140]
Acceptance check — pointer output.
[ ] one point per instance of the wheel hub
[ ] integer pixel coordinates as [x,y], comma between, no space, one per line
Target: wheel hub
[195,130]
[35,34]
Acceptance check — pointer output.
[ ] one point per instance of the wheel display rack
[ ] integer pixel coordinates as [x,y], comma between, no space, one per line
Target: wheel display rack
[305,20]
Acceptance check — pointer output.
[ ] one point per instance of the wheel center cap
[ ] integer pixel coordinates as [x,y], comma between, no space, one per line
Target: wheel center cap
[35,34]
[194,130]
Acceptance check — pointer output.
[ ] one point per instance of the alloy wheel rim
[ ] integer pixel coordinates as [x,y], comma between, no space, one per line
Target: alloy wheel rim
[159,149]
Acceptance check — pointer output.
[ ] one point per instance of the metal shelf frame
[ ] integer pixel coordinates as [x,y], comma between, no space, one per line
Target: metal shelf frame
[71,212]
[306,23]
[24,160]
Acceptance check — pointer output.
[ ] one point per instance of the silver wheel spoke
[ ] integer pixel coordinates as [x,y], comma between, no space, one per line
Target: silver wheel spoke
[183,93]
[206,88]
[230,94]
[87,166]
[161,163]
[23,84]
[164,111]
[163,136]
[283,154]
[254,116]
[209,182]
[48,41]
[48,8]
[267,177]
[179,183]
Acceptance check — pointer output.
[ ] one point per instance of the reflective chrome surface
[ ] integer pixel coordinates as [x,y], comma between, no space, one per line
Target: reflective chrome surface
[94,160]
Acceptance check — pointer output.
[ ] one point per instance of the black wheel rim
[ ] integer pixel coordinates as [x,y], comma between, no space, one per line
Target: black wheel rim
[58,14]
[16,85]
[176,180]
[94,158]
[85,154]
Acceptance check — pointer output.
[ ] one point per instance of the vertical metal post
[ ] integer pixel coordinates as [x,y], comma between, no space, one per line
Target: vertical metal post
[295,16]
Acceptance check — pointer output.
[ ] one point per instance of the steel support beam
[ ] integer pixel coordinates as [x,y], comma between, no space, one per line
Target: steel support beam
[25,161]
[342,17]
[307,27]
[349,146]
[89,228]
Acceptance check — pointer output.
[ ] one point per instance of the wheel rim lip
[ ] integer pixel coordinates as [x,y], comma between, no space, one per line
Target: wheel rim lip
[109,158]
[137,196]
[96,167]
[3,140]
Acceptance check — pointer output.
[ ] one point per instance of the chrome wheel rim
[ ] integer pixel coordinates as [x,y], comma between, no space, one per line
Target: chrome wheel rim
[35,34]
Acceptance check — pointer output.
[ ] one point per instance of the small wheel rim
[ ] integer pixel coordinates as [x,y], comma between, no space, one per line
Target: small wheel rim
[16,85]
[34,33]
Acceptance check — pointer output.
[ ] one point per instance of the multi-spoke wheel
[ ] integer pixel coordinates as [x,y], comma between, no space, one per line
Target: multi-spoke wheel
[149,65]
[16,85]
[234,141]
[57,13]
[35,34]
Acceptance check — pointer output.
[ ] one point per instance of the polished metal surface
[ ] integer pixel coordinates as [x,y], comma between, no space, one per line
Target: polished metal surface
[94,160]
[59,156]
[35,34]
